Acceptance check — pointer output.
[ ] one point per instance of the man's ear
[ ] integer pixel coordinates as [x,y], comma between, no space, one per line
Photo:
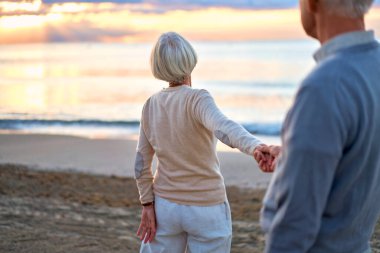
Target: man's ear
[312,5]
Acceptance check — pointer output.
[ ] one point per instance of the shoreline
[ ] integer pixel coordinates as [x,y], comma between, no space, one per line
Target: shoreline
[105,156]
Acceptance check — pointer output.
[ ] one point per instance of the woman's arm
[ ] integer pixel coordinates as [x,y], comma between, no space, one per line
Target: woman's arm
[143,168]
[144,180]
[226,130]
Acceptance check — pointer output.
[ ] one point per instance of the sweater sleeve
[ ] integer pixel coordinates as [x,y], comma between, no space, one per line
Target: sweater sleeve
[143,167]
[226,130]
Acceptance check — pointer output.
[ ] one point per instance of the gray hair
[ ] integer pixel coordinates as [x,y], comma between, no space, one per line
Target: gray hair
[173,58]
[349,8]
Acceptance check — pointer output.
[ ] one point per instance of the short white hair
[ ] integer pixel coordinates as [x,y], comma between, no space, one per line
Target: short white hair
[349,8]
[173,58]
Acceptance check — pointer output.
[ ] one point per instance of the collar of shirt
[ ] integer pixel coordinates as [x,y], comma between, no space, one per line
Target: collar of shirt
[343,41]
[173,88]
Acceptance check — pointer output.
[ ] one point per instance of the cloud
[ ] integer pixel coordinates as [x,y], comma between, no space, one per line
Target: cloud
[185,4]
[250,4]
[84,31]
[147,6]
[91,1]
[38,7]
[190,4]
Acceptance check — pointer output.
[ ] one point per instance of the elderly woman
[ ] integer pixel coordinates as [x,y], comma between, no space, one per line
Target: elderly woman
[186,196]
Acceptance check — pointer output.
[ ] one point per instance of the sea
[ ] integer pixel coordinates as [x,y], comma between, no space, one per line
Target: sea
[98,90]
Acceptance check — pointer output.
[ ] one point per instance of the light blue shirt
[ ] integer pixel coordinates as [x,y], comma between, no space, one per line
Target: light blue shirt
[324,196]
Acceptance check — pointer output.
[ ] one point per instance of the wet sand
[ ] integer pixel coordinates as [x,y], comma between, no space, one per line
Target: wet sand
[43,211]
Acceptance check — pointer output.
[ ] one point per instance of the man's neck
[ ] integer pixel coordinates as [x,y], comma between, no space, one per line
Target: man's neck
[332,26]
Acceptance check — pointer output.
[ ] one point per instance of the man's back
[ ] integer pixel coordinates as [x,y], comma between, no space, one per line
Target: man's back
[330,168]
[353,205]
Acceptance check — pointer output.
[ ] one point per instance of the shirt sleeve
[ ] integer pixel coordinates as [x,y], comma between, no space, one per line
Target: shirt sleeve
[313,140]
[143,167]
[226,130]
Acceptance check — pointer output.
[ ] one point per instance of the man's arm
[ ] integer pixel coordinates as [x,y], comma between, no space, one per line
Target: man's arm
[313,140]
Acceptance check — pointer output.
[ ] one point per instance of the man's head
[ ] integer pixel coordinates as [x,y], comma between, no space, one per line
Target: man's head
[313,12]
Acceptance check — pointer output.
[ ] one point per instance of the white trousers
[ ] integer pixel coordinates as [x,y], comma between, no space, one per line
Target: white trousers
[190,229]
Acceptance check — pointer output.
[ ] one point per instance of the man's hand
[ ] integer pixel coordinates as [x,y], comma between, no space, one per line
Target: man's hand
[266,157]
[147,228]
[275,153]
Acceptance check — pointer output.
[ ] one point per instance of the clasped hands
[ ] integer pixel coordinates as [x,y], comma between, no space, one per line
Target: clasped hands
[266,157]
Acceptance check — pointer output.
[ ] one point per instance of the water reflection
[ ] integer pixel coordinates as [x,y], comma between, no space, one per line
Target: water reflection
[250,81]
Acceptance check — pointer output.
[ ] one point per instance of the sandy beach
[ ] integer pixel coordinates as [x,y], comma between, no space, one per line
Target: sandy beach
[103,156]
[71,194]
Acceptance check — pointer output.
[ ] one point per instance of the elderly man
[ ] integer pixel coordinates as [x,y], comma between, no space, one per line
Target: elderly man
[325,194]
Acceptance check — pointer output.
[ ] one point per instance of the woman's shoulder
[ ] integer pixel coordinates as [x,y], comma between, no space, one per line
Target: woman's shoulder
[189,93]
[148,102]
[200,93]
[186,91]
[153,97]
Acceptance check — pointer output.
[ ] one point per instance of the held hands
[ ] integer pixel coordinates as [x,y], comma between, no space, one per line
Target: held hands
[267,156]
[147,228]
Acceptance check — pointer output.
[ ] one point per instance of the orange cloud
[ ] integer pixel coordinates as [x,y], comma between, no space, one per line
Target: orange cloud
[108,22]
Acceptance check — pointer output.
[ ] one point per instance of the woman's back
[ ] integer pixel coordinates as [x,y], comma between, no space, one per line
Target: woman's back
[188,169]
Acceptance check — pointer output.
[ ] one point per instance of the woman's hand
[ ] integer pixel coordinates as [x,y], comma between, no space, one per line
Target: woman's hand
[263,158]
[147,228]
[267,156]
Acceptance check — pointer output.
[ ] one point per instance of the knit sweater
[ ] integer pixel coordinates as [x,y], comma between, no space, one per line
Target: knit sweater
[180,125]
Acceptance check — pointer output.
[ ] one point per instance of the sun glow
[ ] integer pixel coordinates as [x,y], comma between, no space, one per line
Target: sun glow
[14,22]
[69,8]
[9,7]
[34,21]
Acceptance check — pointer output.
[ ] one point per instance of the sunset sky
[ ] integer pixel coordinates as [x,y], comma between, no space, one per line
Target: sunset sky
[36,21]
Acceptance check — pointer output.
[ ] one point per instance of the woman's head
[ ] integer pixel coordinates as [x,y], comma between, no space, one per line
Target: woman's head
[173,58]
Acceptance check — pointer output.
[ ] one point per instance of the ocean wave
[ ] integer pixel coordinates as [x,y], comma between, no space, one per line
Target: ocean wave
[263,128]
[273,129]
[14,124]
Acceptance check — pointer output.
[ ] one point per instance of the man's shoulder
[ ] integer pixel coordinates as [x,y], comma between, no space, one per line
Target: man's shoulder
[329,73]
[344,67]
